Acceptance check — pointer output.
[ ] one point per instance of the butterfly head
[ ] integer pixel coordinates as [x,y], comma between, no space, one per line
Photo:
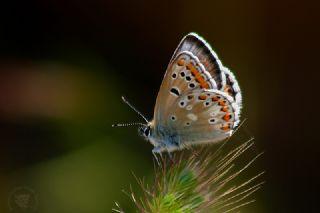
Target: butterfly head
[145,131]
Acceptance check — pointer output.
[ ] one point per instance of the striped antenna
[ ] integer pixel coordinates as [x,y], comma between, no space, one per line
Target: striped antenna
[128,124]
[132,107]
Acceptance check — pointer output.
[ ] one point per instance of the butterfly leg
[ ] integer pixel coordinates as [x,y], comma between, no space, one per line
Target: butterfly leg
[170,155]
[157,150]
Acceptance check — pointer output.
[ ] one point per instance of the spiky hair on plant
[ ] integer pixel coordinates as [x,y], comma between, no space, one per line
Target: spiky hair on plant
[198,181]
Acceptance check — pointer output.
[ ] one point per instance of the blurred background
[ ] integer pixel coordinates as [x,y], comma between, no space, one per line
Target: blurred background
[65,64]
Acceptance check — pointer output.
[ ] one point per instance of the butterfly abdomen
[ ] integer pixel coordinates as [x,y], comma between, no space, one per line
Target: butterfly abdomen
[166,137]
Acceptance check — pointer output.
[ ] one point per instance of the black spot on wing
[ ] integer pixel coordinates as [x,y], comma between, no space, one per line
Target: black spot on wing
[175,92]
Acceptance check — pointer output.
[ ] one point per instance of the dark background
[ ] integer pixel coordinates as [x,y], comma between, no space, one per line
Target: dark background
[65,64]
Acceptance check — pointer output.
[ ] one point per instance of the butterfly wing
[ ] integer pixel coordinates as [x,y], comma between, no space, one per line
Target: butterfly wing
[231,87]
[223,77]
[195,70]
[202,50]
[203,116]
[185,73]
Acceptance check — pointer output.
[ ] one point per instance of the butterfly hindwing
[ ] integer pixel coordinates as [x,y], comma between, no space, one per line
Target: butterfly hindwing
[203,116]
[232,87]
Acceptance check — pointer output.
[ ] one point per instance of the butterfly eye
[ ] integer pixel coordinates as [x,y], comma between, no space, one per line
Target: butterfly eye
[147,131]
[144,131]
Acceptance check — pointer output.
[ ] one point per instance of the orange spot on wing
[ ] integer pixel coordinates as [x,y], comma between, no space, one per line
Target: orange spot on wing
[180,62]
[215,98]
[222,103]
[226,127]
[197,75]
[189,66]
[227,117]
[204,84]
[202,97]
[224,109]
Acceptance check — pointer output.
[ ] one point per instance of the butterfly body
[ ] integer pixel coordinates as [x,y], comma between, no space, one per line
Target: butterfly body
[199,100]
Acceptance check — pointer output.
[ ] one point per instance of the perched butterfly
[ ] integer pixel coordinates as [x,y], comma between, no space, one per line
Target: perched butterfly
[199,100]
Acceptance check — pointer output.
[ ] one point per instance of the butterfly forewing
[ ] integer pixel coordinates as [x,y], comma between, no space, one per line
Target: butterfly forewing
[185,73]
[202,50]
[223,77]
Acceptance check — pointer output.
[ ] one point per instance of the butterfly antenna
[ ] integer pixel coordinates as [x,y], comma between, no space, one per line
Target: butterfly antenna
[128,124]
[132,107]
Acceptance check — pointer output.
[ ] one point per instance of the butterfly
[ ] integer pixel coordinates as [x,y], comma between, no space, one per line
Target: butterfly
[199,100]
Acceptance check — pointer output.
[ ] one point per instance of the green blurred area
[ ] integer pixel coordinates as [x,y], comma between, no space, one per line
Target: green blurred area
[59,140]
[65,65]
